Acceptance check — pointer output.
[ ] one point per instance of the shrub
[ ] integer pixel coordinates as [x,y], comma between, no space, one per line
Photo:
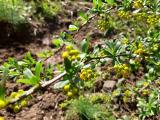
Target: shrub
[13,11]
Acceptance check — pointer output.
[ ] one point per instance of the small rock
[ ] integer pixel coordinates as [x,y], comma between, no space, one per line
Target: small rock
[109,85]
[40,98]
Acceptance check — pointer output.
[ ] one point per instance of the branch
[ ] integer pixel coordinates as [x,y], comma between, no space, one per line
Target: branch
[36,87]
[47,83]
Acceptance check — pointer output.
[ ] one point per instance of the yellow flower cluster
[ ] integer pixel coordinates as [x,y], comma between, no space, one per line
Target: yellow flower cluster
[103,24]
[116,93]
[124,14]
[127,93]
[137,4]
[140,16]
[122,69]
[14,95]
[127,96]
[71,53]
[3,103]
[145,92]
[23,103]
[70,91]
[2,118]
[99,97]
[140,49]
[87,74]
[153,19]
[125,41]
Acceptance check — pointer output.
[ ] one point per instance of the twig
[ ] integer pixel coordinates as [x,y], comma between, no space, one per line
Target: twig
[45,84]
[29,92]
[103,57]
[34,88]
[85,24]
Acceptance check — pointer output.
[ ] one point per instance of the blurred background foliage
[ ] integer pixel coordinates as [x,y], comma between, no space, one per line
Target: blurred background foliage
[16,12]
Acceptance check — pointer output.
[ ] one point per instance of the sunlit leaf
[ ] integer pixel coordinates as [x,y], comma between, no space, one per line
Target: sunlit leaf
[28,73]
[60,84]
[85,45]
[73,28]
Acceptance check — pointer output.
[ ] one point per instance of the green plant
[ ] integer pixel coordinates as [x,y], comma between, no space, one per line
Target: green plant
[83,109]
[48,8]
[13,11]
[150,106]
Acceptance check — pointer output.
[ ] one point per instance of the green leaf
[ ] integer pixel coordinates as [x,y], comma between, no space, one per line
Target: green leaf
[68,65]
[57,42]
[21,63]
[85,45]
[97,4]
[83,17]
[73,28]
[14,73]
[38,69]
[29,59]
[32,81]
[111,2]
[28,73]
[2,92]
[60,84]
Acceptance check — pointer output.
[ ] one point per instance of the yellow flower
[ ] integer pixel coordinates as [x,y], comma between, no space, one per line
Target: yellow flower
[24,103]
[74,52]
[13,95]
[137,4]
[89,71]
[69,47]
[65,55]
[67,87]
[2,118]
[127,93]
[82,76]
[152,19]
[115,93]
[16,108]
[125,99]
[145,84]
[21,92]
[124,14]
[125,41]
[145,92]
[139,51]
[70,94]
[78,57]
[116,67]
[2,104]
[83,70]
[87,74]
[73,57]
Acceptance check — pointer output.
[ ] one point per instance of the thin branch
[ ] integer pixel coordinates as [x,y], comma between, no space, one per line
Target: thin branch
[47,83]
[36,87]
[103,57]
[27,93]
